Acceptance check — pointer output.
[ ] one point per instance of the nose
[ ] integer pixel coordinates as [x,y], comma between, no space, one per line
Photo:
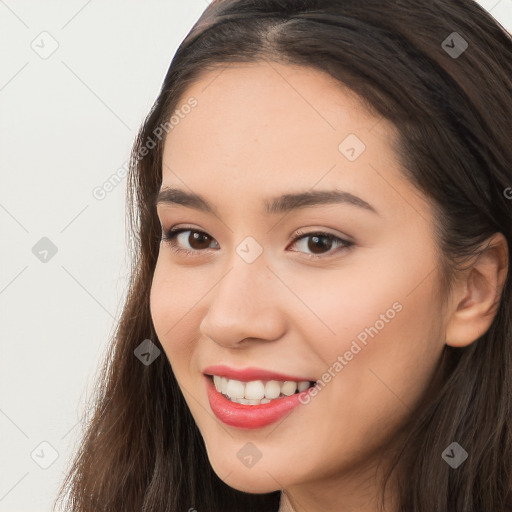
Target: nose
[244,307]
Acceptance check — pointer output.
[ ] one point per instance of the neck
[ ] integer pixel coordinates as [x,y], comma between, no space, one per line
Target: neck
[356,491]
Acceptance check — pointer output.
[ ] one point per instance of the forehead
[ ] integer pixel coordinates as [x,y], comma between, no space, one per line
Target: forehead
[271,107]
[260,128]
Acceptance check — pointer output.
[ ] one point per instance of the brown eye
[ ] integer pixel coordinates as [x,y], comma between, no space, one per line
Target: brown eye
[196,240]
[321,243]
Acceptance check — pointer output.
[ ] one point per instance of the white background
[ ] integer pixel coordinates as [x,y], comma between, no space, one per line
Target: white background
[67,125]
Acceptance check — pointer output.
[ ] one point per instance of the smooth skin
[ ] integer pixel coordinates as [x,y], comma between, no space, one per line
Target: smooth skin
[259,131]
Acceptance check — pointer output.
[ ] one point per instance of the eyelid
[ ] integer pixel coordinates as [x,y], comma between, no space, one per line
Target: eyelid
[318,230]
[169,235]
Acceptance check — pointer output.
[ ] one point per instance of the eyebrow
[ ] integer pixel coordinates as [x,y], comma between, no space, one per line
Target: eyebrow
[272,206]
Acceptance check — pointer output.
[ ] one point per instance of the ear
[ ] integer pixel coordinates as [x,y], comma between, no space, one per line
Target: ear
[477,294]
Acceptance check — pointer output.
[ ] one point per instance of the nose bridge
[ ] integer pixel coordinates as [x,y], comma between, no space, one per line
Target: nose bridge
[243,304]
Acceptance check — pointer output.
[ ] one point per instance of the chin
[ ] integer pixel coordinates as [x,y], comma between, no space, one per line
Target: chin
[252,480]
[252,485]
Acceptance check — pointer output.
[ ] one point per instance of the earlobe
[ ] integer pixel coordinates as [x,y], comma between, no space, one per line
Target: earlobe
[479,293]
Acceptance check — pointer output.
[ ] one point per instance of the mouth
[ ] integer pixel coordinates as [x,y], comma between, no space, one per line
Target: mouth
[252,404]
[257,392]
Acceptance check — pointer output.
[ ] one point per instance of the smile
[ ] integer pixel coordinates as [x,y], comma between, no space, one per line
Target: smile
[255,403]
[257,392]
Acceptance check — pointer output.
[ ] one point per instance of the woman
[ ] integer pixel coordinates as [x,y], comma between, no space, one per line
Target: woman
[319,316]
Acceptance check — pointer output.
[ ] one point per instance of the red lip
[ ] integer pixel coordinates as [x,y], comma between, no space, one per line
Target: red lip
[248,374]
[250,416]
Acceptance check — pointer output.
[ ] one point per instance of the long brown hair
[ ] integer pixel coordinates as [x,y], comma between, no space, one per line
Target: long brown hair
[450,98]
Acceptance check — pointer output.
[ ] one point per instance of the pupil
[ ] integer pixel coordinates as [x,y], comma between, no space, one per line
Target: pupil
[327,245]
[197,237]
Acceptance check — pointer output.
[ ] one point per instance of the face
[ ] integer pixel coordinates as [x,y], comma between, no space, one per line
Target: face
[344,292]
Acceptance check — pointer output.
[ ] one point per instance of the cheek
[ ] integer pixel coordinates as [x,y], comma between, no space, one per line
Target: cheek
[172,312]
[378,331]
[350,304]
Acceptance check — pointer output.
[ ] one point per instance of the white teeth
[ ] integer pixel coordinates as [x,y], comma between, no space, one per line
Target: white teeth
[303,385]
[235,389]
[245,401]
[272,389]
[257,391]
[223,385]
[289,387]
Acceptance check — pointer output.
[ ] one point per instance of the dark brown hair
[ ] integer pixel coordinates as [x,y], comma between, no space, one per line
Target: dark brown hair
[141,449]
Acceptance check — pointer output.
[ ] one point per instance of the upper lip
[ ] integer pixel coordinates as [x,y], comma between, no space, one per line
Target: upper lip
[250,373]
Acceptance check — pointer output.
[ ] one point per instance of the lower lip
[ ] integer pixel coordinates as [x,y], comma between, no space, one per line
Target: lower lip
[250,416]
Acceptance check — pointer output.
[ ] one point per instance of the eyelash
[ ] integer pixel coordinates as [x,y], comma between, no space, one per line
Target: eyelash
[170,235]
